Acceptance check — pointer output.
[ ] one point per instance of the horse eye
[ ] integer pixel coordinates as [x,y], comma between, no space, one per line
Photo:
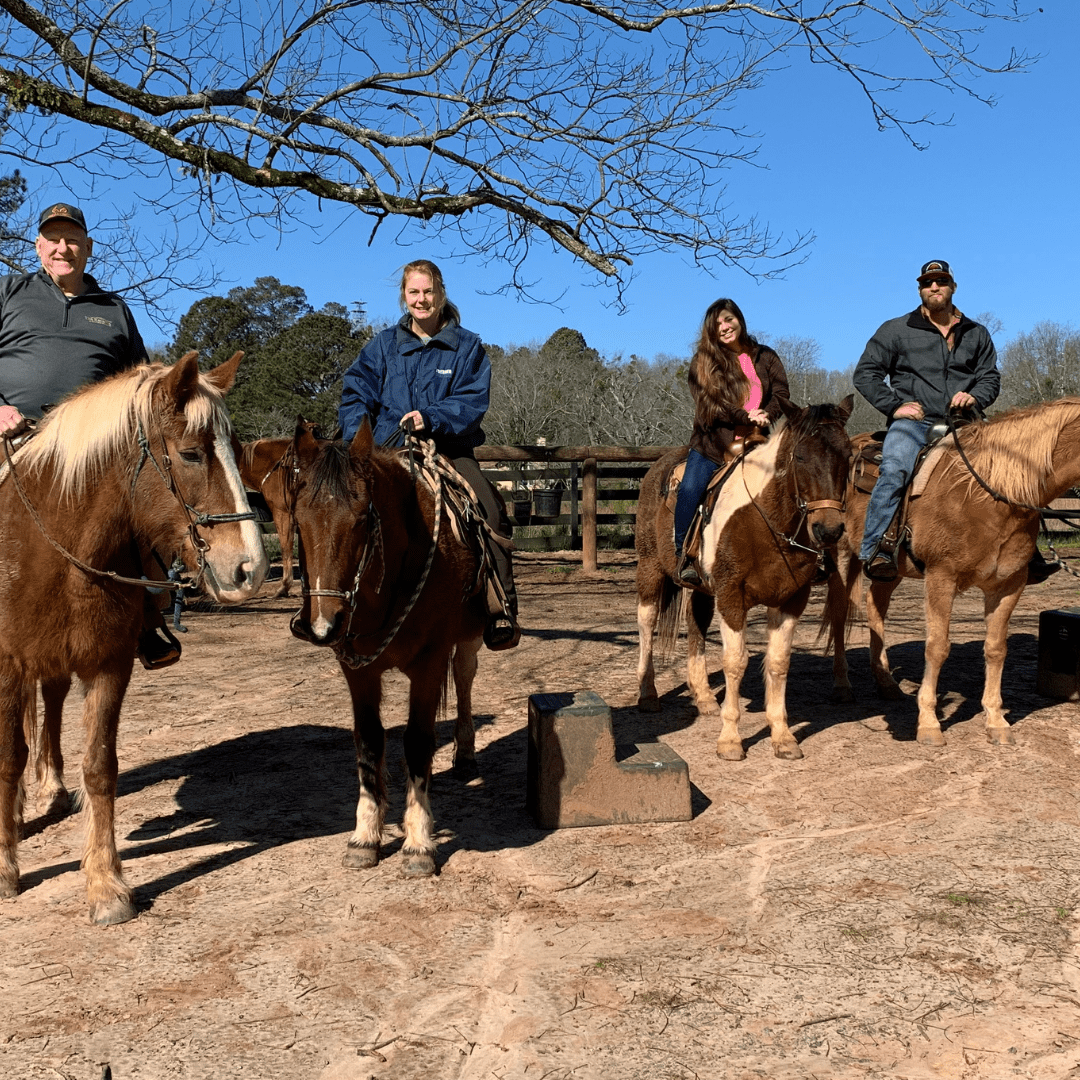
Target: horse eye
[192,457]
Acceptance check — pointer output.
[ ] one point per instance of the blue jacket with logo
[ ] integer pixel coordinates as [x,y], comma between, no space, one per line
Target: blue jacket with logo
[447,379]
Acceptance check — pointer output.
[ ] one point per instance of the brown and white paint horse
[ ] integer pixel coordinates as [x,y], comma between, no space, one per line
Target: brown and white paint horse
[965,538]
[386,584]
[780,509]
[144,460]
[266,466]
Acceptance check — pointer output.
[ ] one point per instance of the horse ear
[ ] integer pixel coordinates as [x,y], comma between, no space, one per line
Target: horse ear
[843,410]
[302,433]
[788,407]
[183,378]
[224,375]
[363,442]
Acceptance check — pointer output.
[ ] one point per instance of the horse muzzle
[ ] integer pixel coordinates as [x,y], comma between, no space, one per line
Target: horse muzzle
[321,631]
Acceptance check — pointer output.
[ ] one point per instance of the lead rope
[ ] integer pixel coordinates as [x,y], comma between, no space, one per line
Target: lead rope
[344,650]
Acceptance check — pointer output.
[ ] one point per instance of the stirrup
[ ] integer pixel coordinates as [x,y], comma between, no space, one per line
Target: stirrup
[501,632]
[154,653]
[686,572]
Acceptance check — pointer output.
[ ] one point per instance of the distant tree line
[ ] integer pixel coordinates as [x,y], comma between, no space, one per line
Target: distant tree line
[561,391]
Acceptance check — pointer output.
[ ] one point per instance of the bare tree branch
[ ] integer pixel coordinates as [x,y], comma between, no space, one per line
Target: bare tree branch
[597,127]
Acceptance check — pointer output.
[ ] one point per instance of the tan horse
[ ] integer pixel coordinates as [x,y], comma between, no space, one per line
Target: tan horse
[964,538]
[776,515]
[387,585]
[266,466]
[144,460]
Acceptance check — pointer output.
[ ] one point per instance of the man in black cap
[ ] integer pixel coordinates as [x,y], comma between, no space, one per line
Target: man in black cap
[58,331]
[914,370]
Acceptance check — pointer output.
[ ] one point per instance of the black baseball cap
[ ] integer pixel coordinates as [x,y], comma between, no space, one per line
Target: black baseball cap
[62,212]
[935,268]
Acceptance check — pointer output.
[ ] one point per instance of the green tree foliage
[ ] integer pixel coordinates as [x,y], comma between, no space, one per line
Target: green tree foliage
[295,357]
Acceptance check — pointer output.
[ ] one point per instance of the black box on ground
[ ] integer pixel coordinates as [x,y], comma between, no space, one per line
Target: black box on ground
[1059,654]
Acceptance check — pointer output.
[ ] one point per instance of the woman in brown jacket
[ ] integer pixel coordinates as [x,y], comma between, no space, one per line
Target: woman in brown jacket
[739,387]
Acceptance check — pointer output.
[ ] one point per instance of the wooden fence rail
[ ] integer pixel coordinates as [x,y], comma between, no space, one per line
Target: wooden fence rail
[567,463]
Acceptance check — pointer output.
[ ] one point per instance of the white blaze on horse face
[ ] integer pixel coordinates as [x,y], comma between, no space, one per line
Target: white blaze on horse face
[321,626]
[242,566]
[745,484]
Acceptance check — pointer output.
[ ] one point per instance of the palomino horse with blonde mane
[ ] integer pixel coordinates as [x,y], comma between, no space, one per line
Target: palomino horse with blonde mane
[959,536]
[142,461]
[387,585]
[775,518]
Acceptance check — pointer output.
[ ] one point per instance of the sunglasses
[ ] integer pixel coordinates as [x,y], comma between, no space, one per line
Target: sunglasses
[934,281]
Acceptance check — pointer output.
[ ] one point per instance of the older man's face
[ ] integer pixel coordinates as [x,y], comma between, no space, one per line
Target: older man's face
[64,250]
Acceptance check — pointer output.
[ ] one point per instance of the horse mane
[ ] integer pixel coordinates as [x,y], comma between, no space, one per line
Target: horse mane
[1014,452]
[333,471]
[101,420]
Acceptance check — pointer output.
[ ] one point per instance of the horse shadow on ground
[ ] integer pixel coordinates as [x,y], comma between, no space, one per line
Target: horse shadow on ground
[812,710]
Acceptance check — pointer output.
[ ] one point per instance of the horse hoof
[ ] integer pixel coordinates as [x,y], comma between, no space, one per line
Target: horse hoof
[418,864]
[118,910]
[466,769]
[56,805]
[788,751]
[9,888]
[360,857]
[891,693]
[649,704]
[1001,736]
[930,737]
[842,695]
[730,751]
[283,591]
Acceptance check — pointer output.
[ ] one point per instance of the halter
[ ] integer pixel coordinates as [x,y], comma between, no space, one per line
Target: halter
[195,517]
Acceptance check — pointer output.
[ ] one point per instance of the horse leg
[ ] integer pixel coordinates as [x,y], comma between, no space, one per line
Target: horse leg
[698,620]
[110,898]
[877,608]
[283,522]
[839,599]
[781,629]
[53,797]
[729,746]
[419,745]
[14,753]
[940,591]
[465,665]
[998,608]
[650,582]
[365,689]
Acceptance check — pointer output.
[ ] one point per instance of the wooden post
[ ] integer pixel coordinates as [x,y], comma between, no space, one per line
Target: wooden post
[588,514]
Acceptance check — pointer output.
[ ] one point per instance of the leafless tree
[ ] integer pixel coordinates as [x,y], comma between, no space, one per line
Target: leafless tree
[600,126]
[1040,365]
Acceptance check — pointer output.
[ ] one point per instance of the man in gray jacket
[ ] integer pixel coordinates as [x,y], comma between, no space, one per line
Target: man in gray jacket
[58,331]
[914,370]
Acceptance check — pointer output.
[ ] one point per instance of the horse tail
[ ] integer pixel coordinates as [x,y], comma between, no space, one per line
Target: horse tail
[842,606]
[669,617]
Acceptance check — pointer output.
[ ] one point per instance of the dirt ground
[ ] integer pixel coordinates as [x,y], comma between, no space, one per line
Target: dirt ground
[878,909]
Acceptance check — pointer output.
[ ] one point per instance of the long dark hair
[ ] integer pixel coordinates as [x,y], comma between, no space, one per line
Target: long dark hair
[717,367]
[447,311]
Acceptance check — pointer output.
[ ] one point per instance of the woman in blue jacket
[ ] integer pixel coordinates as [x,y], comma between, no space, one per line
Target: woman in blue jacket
[430,370]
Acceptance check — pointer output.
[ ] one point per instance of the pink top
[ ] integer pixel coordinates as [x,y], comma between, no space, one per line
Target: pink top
[753,399]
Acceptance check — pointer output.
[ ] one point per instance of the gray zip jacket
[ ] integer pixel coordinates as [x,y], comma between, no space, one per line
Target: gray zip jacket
[50,343]
[908,359]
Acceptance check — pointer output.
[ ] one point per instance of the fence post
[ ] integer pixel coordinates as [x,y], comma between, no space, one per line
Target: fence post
[588,514]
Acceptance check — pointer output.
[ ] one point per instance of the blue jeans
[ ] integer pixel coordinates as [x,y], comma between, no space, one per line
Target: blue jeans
[903,441]
[699,471]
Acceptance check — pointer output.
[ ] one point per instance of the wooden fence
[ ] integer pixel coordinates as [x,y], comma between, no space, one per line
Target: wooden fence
[577,469]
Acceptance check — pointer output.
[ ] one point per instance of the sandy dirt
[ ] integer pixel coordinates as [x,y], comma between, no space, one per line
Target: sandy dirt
[878,909]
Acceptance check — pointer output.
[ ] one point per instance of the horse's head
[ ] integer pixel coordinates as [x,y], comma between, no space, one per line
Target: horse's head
[820,454]
[337,528]
[189,480]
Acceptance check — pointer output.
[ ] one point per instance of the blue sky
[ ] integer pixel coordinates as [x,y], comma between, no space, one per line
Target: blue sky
[996,194]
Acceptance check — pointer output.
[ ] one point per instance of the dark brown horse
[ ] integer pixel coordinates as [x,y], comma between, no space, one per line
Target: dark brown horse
[266,466]
[775,517]
[962,537]
[387,585]
[143,461]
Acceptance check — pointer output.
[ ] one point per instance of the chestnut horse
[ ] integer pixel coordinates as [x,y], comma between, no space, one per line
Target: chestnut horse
[963,537]
[142,461]
[776,515]
[386,584]
[265,466]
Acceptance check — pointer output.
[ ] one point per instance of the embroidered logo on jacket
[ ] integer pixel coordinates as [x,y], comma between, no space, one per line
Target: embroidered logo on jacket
[444,371]
[99,320]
